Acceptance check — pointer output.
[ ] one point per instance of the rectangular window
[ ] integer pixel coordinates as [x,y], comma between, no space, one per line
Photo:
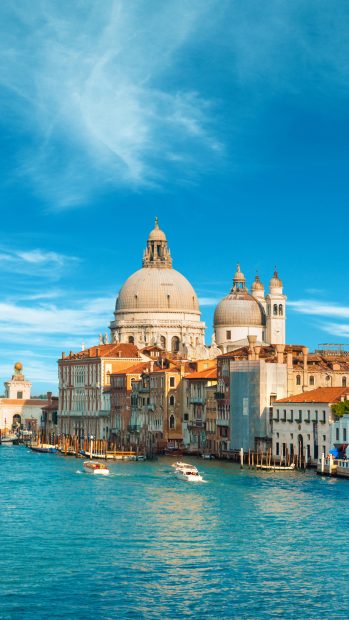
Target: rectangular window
[337,434]
[277,449]
[283,449]
[344,434]
[291,450]
[324,450]
[228,335]
[19,395]
[172,381]
[308,452]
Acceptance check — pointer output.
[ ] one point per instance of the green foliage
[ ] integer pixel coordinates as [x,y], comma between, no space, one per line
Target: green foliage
[340,409]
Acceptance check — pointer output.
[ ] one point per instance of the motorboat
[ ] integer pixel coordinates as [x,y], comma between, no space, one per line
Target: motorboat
[11,438]
[186,471]
[189,473]
[93,467]
[207,457]
[182,465]
[44,448]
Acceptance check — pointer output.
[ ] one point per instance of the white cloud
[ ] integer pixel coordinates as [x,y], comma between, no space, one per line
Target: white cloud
[88,82]
[318,308]
[37,262]
[209,301]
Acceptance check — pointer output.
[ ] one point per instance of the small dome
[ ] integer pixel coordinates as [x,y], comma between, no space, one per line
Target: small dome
[257,284]
[157,289]
[239,276]
[157,234]
[275,281]
[239,309]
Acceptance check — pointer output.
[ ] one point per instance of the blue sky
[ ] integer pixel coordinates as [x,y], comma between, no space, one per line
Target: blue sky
[227,119]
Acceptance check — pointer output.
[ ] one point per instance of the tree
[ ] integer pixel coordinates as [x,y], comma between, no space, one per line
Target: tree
[341,408]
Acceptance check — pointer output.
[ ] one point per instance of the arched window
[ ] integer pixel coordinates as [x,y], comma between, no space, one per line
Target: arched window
[311,380]
[175,344]
[275,309]
[172,400]
[172,421]
[131,340]
[344,382]
[281,309]
[163,342]
[298,380]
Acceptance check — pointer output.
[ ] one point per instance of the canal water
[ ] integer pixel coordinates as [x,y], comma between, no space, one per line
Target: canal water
[143,544]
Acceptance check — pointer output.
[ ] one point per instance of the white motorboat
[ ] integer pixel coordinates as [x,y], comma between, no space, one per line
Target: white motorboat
[186,471]
[93,467]
[189,473]
[181,465]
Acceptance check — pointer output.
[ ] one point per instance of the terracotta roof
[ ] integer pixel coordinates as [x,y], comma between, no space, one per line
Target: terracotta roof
[320,395]
[116,350]
[132,369]
[207,373]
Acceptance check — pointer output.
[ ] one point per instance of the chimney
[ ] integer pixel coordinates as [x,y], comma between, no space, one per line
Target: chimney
[49,397]
[251,343]
[151,366]
[257,350]
[305,351]
[63,355]
[289,360]
[280,348]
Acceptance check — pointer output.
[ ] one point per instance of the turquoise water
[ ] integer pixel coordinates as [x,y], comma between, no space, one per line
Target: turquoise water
[142,544]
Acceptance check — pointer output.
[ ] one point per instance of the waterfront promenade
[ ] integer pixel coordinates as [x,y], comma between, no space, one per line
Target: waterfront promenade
[143,544]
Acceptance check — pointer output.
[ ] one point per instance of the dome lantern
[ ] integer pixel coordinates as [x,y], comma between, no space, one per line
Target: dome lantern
[239,281]
[157,253]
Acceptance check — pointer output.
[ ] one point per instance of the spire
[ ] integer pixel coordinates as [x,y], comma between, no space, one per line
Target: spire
[156,222]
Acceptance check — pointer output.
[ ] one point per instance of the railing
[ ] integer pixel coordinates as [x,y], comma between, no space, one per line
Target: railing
[197,400]
[222,422]
[134,428]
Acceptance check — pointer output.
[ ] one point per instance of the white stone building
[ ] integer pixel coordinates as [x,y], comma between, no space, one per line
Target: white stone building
[241,314]
[18,410]
[302,423]
[157,305]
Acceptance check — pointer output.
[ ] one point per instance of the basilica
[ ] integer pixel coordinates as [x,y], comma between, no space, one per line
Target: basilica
[158,306]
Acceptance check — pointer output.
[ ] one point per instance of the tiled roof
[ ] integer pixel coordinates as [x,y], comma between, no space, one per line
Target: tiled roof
[116,350]
[133,369]
[320,395]
[207,373]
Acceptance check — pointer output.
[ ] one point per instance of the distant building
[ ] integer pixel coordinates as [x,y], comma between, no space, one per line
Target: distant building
[241,314]
[302,423]
[84,387]
[50,415]
[18,410]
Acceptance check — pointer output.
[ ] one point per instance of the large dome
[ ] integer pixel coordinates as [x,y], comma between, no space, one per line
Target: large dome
[239,309]
[157,289]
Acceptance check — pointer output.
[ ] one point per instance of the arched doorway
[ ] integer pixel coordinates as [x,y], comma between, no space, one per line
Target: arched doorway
[175,344]
[17,420]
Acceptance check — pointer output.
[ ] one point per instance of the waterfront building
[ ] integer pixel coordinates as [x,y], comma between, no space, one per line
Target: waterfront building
[158,306]
[50,415]
[18,410]
[84,387]
[302,423]
[198,423]
[241,314]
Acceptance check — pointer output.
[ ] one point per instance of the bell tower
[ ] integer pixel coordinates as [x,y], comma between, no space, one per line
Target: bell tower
[276,312]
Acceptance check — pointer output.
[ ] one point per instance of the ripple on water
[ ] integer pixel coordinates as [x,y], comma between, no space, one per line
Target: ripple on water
[143,544]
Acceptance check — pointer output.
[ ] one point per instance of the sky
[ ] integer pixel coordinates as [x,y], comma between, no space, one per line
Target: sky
[228,120]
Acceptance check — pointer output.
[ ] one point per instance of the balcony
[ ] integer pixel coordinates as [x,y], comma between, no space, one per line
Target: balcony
[144,389]
[197,400]
[222,422]
[134,428]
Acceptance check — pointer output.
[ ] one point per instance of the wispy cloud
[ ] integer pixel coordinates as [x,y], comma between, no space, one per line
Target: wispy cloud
[209,301]
[93,94]
[318,308]
[36,262]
